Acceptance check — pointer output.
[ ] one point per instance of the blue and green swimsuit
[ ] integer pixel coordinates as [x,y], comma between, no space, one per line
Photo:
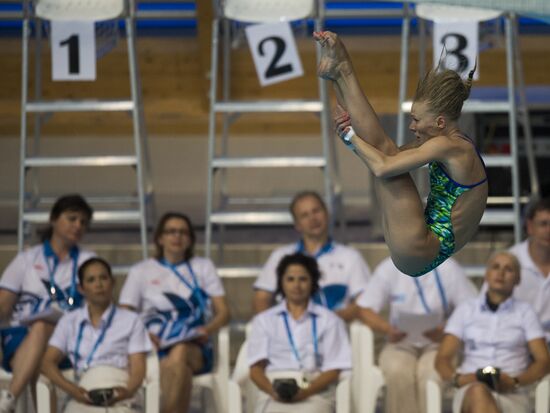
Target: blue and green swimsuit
[444,192]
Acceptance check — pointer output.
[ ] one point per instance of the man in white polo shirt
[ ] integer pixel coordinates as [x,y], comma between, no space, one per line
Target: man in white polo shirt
[498,331]
[407,359]
[534,257]
[344,273]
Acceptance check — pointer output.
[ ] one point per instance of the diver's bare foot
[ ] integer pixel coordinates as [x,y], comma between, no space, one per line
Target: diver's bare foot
[335,60]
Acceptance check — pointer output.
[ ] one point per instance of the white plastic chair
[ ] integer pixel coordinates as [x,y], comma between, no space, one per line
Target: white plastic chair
[240,384]
[367,379]
[22,405]
[267,11]
[151,384]
[217,380]
[72,10]
[542,395]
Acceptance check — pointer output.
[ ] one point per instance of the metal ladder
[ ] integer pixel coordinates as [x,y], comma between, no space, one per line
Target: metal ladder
[219,162]
[515,86]
[29,211]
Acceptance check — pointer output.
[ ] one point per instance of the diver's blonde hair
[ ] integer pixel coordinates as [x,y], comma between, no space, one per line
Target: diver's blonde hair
[444,92]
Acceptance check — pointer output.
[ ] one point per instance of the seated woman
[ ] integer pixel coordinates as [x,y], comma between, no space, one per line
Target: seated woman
[497,331]
[419,240]
[107,347]
[297,339]
[175,294]
[36,287]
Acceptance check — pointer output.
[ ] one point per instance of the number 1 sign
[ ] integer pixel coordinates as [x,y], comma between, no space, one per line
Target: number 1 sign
[73,50]
[274,52]
[456,44]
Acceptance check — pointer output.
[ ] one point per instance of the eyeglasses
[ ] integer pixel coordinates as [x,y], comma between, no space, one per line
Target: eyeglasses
[175,231]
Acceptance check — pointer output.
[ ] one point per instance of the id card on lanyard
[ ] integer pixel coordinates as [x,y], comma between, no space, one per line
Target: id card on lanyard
[193,288]
[294,348]
[56,293]
[96,345]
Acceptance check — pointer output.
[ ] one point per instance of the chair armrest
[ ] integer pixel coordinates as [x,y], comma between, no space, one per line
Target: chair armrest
[343,396]
[234,402]
[44,390]
[542,395]
[152,384]
[433,397]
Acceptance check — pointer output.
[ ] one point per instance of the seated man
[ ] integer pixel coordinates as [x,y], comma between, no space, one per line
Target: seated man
[344,273]
[533,255]
[499,332]
[407,360]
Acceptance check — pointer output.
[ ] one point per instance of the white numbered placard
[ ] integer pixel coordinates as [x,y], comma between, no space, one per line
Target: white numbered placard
[460,40]
[73,50]
[274,52]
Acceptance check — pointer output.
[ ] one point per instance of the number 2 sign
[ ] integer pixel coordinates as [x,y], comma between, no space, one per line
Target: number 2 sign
[274,52]
[73,50]
[456,44]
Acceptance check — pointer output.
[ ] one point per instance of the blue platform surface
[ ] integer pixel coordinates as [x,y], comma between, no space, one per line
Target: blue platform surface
[349,17]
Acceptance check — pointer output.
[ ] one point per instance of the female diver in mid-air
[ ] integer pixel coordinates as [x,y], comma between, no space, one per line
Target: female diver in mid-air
[418,240]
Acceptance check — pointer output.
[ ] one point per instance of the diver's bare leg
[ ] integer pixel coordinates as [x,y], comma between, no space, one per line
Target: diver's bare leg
[336,65]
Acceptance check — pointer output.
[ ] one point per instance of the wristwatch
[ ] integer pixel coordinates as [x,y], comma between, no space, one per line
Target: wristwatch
[517,384]
[456,377]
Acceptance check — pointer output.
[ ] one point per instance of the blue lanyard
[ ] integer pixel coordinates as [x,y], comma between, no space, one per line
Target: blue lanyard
[441,294]
[326,248]
[196,287]
[293,344]
[54,289]
[96,344]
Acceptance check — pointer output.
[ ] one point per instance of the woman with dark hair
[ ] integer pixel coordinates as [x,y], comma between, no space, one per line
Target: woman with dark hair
[107,347]
[297,349]
[419,239]
[182,303]
[36,287]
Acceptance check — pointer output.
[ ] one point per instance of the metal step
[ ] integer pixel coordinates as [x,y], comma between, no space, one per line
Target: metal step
[473,106]
[498,217]
[81,161]
[270,162]
[506,200]
[268,106]
[492,161]
[80,106]
[120,270]
[252,218]
[117,216]
[475,271]
[238,272]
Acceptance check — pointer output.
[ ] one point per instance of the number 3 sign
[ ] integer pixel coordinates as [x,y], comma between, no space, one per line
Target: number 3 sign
[274,52]
[73,50]
[456,44]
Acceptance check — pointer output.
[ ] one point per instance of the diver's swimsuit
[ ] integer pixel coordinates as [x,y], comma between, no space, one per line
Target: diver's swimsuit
[444,192]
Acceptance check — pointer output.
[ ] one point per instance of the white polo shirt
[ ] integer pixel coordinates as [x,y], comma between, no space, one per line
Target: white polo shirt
[497,339]
[344,274]
[439,291]
[534,286]
[126,335]
[269,340]
[166,304]
[28,275]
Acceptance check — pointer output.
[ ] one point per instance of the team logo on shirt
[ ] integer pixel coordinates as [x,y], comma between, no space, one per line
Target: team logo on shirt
[331,296]
[28,304]
[185,315]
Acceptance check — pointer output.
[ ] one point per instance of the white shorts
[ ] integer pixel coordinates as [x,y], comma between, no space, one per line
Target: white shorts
[104,377]
[323,402]
[513,402]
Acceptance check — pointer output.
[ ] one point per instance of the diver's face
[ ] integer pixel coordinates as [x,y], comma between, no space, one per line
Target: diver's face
[424,124]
